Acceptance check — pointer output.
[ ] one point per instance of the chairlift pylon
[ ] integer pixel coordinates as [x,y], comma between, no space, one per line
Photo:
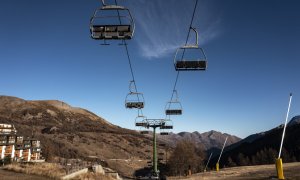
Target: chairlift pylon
[173,107]
[190,57]
[112,22]
[134,99]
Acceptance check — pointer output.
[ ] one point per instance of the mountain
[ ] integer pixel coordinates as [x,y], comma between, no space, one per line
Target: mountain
[263,148]
[210,139]
[294,120]
[70,133]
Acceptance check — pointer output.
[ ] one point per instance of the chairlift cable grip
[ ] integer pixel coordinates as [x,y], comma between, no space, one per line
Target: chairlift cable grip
[103,3]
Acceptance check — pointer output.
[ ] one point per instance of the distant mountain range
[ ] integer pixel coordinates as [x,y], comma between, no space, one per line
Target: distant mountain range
[263,148]
[208,140]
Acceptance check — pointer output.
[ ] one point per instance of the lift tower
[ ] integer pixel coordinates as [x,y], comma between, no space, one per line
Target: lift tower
[162,124]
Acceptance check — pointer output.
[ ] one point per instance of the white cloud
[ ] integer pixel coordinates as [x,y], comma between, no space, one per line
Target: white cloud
[161,26]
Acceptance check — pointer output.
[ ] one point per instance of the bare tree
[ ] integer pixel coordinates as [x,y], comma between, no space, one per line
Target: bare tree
[186,156]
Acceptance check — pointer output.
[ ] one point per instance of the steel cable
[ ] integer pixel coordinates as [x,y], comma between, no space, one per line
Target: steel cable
[187,38]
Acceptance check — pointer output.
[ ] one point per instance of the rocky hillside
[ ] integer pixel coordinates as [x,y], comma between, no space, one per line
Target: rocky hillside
[70,132]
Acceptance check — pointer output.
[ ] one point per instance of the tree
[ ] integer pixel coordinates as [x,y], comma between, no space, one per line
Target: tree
[242,160]
[271,155]
[231,163]
[185,156]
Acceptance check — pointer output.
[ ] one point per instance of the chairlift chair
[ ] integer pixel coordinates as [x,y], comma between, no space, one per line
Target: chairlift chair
[167,124]
[144,132]
[140,121]
[112,22]
[190,57]
[134,99]
[161,154]
[167,127]
[173,107]
[162,145]
[164,133]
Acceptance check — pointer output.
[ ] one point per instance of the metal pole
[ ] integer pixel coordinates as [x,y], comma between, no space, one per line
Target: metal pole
[283,133]
[154,151]
[208,162]
[222,150]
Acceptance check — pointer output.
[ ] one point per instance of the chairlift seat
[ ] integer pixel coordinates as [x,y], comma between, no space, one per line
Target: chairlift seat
[144,132]
[143,124]
[184,65]
[164,133]
[173,112]
[166,127]
[100,32]
[138,105]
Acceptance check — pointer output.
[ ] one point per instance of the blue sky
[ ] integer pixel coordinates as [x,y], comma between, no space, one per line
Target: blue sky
[252,48]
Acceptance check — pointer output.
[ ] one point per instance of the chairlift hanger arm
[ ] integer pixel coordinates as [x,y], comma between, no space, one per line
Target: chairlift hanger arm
[196,33]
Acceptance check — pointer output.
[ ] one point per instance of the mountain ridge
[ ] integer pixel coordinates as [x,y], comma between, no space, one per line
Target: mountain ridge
[209,139]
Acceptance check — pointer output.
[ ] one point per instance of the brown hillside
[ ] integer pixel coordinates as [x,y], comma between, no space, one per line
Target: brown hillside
[70,132]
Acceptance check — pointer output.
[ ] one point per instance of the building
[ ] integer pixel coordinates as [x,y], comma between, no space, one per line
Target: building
[17,147]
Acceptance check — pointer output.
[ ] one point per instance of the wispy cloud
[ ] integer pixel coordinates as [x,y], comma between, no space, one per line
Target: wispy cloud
[162,26]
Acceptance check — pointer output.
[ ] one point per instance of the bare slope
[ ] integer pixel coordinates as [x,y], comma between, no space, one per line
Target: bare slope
[70,132]
[291,171]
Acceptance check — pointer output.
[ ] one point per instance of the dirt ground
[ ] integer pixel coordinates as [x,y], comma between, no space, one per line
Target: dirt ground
[291,171]
[10,175]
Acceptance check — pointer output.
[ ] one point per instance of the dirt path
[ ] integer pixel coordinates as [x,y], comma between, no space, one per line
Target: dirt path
[291,171]
[10,175]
